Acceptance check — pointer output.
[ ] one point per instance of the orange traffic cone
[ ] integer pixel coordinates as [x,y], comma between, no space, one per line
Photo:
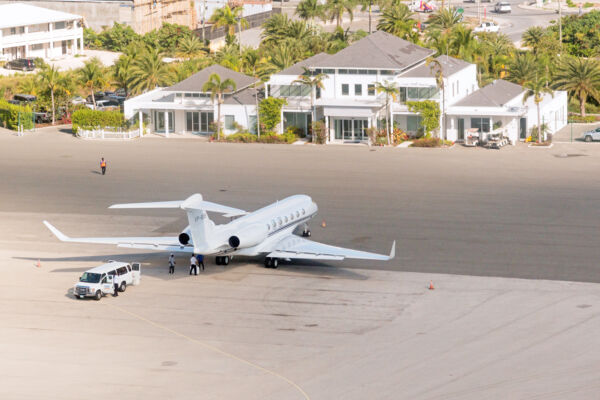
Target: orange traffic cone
[323,224]
[431,285]
[38,264]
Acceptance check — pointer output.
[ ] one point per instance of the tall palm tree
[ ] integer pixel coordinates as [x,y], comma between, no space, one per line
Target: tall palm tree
[309,10]
[314,81]
[335,10]
[536,88]
[367,5]
[581,77]
[398,20]
[149,72]
[50,79]
[121,72]
[190,47]
[217,89]
[391,91]
[92,76]
[438,71]
[522,68]
[285,55]
[274,28]
[463,43]
[533,38]
[229,18]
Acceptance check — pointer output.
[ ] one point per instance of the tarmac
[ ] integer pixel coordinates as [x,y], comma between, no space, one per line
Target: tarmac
[472,221]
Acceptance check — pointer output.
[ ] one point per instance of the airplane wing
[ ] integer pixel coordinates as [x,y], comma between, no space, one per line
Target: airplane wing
[296,247]
[166,243]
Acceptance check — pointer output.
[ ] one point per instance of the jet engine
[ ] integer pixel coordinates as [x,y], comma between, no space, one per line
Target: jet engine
[249,236]
[184,237]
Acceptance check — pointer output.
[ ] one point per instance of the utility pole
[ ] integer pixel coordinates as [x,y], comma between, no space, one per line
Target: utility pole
[559,24]
[203,21]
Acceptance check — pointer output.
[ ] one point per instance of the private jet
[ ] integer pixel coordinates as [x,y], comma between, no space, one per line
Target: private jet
[277,232]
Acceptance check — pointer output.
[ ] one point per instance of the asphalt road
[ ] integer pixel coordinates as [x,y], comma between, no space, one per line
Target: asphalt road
[517,212]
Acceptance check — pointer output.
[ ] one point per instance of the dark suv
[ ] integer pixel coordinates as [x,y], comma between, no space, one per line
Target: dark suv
[24,64]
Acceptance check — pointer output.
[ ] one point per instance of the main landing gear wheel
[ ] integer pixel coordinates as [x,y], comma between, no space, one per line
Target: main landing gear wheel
[271,262]
[306,233]
[222,260]
[225,260]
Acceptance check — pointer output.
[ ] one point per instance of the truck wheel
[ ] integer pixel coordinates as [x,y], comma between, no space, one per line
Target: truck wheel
[588,139]
[98,295]
[122,287]
[76,296]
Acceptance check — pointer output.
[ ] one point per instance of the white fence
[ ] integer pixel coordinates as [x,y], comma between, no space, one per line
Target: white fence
[107,133]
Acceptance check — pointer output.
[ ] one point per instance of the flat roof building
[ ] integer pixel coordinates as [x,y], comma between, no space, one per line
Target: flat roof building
[29,31]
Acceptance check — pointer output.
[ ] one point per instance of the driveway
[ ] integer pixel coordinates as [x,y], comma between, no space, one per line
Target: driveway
[573,132]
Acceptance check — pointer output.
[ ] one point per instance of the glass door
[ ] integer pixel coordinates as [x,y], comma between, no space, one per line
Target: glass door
[523,128]
[347,126]
[461,129]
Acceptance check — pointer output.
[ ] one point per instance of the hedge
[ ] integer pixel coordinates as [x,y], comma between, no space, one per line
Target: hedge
[10,113]
[89,119]
[269,137]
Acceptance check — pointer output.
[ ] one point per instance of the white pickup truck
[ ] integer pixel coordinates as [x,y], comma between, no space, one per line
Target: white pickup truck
[99,281]
[487,27]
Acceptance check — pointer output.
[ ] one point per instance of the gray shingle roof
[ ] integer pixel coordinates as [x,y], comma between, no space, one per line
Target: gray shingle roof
[379,50]
[496,94]
[298,68]
[195,82]
[450,66]
[244,97]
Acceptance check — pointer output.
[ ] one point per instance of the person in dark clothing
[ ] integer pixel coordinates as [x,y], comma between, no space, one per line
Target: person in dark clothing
[200,259]
[103,165]
[171,264]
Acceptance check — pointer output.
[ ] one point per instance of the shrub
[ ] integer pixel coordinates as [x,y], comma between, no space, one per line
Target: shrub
[399,136]
[578,118]
[270,112]
[320,132]
[430,142]
[11,115]
[89,119]
[241,138]
[267,137]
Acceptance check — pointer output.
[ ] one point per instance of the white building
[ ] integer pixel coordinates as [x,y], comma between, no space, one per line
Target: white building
[349,103]
[29,31]
[186,108]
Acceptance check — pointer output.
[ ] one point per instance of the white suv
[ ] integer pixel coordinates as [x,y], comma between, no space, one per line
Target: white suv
[487,27]
[502,7]
[99,281]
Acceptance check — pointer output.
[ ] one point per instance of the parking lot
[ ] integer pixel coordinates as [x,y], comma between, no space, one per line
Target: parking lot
[475,222]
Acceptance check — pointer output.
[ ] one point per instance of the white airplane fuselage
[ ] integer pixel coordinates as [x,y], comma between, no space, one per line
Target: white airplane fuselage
[250,234]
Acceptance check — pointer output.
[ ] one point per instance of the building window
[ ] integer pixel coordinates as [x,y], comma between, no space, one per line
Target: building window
[59,25]
[482,124]
[252,122]
[371,90]
[358,90]
[300,121]
[318,92]
[198,122]
[159,121]
[345,89]
[420,93]
[291,91]
[414,123]
[229,122]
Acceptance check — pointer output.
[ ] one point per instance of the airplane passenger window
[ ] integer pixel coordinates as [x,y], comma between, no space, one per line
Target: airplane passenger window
[273,224]
[292,216]
[286,220]
[303,212]
[279,221]
[297,214]
[268,227]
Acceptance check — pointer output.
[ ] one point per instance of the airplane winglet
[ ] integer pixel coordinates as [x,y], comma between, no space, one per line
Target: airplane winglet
[61,236]
[393,251]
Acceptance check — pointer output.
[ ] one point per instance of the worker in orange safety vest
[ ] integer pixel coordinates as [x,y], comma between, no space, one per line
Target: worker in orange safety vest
[103,165]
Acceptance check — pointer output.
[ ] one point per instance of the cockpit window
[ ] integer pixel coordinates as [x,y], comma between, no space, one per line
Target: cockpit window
[90,277]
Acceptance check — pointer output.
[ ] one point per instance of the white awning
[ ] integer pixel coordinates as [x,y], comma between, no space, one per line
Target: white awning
[348,112]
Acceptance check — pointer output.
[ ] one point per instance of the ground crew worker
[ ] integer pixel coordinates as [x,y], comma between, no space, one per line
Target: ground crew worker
[103,165]
[171,264]
[116,284]
[193,265]
[200,260]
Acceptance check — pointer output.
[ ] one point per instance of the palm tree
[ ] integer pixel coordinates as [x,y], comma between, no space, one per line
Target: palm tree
[463,43]
[121,72]
[149,71]
[367,5]
[536,88]
[50,78]
[92,76]
[254,65]
[445,19]
[190,47]
[28,85]
[285,55]
[229,18]
[335,10]
[438,71]
[217,88]
[581,77]
[309,10]
[532,38]
[274,28]
[314,81]
[398,21]
[522,68]
[390,90]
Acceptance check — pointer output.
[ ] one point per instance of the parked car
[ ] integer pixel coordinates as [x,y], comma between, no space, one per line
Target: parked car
[23,64]
[42,117]
[502,7]
[105,104]
[594,134]
[487,27]
[24,98]
[78,100]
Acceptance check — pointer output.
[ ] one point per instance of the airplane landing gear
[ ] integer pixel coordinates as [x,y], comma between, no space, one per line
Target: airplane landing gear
[222,260]
[271,262]
[306,233]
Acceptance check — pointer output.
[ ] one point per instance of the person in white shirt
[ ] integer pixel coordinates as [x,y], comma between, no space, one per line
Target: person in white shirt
[172,264]
[193,265]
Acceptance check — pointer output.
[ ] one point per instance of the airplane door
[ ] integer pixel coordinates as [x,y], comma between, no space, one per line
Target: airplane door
[136,273]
